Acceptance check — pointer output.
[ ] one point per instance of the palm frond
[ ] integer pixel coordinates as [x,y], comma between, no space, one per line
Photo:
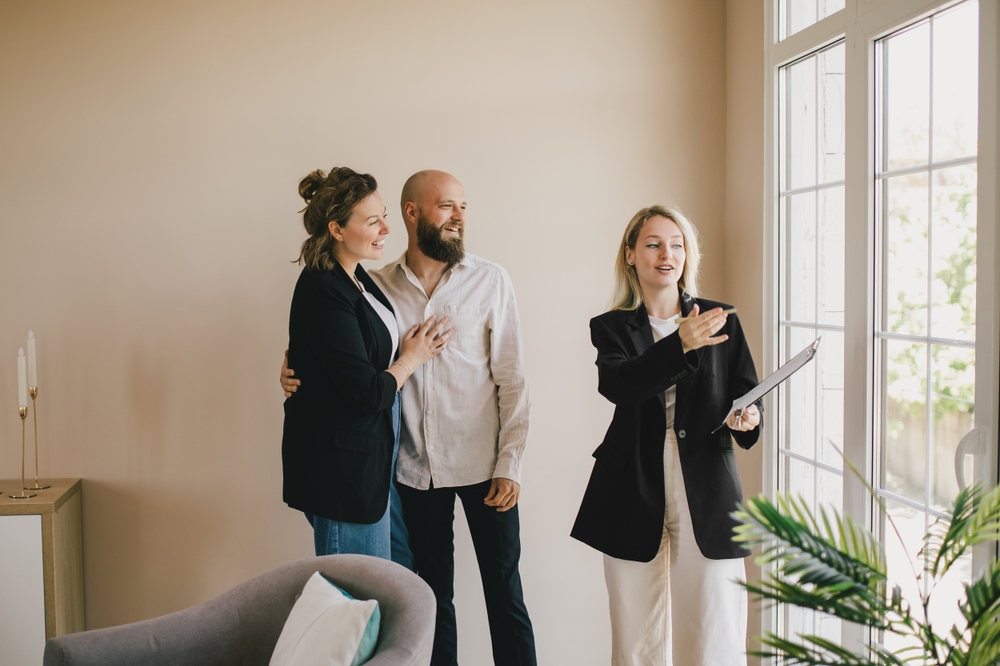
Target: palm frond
[851,608]
[946,539]
[985,646]
[981,610]
[829,565]
[878,500]
[982,597]
[975,519]
[789,535]
[818,651]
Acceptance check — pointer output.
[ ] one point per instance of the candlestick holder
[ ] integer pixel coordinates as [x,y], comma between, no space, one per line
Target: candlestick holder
[33,392]
[23,411]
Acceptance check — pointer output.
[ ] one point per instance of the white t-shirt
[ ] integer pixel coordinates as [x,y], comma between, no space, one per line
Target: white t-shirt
[387,318]
[661,329]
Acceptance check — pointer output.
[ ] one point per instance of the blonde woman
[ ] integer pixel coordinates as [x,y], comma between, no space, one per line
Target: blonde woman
[665,480]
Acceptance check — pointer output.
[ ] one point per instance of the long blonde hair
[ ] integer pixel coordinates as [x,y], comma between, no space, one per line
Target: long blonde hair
[628,292]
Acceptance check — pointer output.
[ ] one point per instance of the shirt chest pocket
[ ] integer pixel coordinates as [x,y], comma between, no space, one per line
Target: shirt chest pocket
[471,324]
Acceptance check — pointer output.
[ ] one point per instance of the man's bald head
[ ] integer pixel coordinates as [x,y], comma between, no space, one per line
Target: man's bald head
[423,183]
[433,207]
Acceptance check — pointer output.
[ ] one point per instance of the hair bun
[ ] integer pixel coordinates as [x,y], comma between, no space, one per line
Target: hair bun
[310,184]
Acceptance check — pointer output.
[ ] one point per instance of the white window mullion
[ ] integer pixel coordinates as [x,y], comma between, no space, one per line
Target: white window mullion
[988,249]
[859,346]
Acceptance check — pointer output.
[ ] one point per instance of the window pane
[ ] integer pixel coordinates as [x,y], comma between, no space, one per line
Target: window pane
[905,252]
[953,254]
[800,621]
[904,438]
[954,374]
[802,480]
[830,75]
[956,80]
[794,15]
[943,610]
[907,104]
[800,398]
[801,123]
[830,363]
[900,559]
[801,285]
[829,491]
[831,256]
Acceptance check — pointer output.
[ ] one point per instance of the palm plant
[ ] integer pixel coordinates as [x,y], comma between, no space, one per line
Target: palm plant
[830,564]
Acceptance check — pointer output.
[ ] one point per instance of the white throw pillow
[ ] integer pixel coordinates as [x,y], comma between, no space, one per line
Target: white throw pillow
[326,628]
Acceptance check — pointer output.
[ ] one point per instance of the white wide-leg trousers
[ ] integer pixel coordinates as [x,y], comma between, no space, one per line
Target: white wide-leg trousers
[681,609]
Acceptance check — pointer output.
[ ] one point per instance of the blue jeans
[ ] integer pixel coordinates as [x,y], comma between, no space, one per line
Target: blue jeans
[400,546]
[386,538]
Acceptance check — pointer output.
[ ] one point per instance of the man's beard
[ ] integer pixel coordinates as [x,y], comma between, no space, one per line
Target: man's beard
[431,242]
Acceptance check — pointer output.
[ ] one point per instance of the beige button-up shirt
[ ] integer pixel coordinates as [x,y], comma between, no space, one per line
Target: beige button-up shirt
[465,411]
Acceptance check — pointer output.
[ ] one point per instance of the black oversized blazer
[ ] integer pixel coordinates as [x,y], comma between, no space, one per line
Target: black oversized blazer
[336,447]
[623,508]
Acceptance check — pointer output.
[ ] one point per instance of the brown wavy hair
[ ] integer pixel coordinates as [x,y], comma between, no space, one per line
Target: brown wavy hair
[329,198]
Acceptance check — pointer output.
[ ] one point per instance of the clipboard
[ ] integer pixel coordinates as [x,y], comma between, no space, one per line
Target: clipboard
[772,381]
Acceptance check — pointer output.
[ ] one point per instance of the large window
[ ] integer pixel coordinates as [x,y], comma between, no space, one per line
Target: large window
[881,249]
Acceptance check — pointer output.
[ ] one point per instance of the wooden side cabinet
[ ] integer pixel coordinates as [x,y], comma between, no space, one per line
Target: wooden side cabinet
[41,568]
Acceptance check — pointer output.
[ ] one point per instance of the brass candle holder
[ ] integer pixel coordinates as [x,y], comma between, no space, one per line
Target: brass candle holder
[33,392]
[23,411]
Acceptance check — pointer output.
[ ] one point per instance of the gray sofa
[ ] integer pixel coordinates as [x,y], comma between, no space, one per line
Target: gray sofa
[241,626]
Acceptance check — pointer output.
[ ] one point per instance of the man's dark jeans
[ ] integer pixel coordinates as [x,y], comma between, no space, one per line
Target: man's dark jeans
[430,517]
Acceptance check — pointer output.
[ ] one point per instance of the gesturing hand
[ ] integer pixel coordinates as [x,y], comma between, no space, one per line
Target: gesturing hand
[697,332]
[503,494]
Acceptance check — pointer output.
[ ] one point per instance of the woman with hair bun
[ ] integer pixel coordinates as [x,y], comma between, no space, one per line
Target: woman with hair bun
[341,427]
[665,481]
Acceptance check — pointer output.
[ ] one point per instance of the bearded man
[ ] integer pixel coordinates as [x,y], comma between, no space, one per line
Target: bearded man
[465,417]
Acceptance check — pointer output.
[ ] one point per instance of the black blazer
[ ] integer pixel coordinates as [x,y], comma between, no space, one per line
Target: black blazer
[336,446]
[623,508]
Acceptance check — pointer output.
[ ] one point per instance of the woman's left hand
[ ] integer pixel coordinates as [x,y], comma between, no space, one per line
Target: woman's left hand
[748,420]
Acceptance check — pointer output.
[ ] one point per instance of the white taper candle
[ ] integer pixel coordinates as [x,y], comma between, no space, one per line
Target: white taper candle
[22,379]
[32,361]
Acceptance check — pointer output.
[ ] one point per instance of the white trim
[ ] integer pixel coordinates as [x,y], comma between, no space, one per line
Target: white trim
[769,612]
[925,168]
[859,279]
[882,19]
[988,250]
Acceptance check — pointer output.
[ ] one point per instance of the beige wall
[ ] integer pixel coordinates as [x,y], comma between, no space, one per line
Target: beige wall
[149,156]
[744,225]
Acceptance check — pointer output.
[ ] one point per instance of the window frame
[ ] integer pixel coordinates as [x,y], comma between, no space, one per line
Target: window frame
[860,24]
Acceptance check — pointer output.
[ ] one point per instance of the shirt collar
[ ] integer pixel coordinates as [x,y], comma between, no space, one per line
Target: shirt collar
[401,264]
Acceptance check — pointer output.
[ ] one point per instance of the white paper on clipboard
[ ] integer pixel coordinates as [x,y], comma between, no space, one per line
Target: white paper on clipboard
[775,378]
